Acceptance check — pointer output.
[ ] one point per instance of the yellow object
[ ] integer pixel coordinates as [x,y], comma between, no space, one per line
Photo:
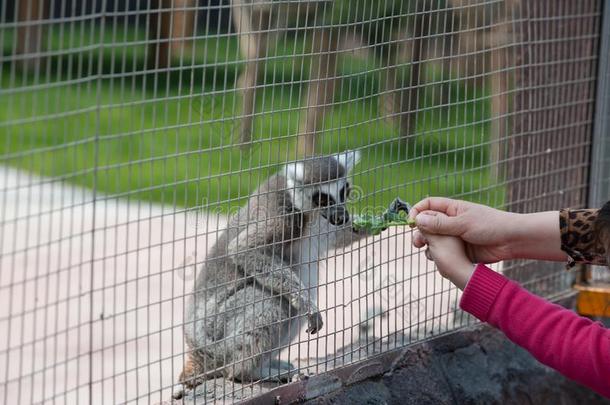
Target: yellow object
[593,299]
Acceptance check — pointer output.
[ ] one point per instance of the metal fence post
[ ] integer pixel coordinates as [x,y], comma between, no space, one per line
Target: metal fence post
[599,184]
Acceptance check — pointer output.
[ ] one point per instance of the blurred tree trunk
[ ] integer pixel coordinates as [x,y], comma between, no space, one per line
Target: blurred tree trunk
[30,14]
[400,102]
[321,90]
[499,111]
[171,30]
[500,65]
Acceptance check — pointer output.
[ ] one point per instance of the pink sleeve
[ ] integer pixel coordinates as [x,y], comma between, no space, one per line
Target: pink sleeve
[573,345]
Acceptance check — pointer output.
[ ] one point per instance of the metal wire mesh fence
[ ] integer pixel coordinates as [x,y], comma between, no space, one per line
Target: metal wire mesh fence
[166,211]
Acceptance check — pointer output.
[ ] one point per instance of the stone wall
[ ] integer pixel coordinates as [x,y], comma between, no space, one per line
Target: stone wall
[478,366]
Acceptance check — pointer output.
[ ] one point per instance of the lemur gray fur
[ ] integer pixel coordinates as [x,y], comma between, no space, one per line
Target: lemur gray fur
[258,283]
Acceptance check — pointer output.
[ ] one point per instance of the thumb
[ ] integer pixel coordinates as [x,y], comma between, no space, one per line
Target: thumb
[436,222]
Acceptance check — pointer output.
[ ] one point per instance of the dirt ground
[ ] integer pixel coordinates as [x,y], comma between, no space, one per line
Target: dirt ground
[96,292]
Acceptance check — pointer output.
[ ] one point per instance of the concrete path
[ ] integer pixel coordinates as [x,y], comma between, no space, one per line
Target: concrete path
[96,291]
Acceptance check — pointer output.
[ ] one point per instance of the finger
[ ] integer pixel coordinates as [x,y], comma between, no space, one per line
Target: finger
[439,223]
[441,204]
[419,241]
[429,237]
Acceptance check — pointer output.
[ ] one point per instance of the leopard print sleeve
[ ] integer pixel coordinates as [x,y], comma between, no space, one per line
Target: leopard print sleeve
[577,237]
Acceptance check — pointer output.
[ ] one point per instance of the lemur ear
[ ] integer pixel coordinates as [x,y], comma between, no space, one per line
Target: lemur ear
[348,159]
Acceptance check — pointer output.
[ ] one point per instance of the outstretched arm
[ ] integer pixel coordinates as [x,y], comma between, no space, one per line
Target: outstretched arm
[491,235]
[536,236]
[573,345]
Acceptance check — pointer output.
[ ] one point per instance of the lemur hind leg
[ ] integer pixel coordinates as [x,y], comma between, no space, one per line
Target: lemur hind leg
[277,322]
[254,330]
[193,374]
[273,368]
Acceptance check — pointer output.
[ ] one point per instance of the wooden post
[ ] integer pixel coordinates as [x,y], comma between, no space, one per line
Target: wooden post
[30,13]
[408,101]
[321,91]
[171,30]
[499,101]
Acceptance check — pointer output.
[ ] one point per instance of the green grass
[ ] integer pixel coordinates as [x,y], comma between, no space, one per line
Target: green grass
[167,138]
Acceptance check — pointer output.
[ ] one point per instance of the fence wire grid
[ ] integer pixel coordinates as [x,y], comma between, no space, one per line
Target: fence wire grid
[145,238]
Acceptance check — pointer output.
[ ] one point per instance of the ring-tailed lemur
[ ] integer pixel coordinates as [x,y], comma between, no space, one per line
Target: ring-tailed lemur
[258,282]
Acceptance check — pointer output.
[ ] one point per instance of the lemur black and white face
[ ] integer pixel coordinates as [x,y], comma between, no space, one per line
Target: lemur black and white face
[322,183]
